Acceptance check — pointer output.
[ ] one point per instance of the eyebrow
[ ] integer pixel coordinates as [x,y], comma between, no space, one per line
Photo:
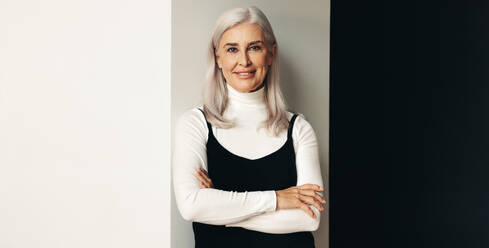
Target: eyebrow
[249,44]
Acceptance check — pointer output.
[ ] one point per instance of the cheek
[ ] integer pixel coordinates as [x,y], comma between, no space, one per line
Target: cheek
[227,68]
[261,64]
[228,63]
[260,60]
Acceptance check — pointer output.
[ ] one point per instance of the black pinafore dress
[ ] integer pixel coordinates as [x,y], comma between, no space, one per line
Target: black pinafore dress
[230,172]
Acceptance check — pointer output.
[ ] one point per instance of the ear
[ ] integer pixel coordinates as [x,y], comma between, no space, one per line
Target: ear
[273,53]
[218,60]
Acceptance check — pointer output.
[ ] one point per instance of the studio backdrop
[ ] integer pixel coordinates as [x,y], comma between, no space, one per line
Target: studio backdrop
[302,32]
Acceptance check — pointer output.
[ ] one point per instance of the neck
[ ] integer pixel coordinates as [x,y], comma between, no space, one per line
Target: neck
[255,97]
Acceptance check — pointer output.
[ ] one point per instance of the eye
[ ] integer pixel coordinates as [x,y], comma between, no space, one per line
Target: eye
[255,48]
[232,50]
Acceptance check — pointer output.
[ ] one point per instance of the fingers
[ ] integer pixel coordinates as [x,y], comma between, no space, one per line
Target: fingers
[203,186]
[311,201]
[203,171]
[313,194]
[300,197]
[310,190]
[308,210]
[203,177]
[311,186]
[308,195]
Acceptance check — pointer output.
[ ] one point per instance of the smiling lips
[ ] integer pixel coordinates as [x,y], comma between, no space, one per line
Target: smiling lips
[245,74]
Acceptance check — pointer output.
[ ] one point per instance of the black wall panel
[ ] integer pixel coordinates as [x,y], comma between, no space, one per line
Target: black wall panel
[409,124]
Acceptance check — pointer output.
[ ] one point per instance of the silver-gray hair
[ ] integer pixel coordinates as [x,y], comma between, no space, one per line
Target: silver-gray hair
[215,90]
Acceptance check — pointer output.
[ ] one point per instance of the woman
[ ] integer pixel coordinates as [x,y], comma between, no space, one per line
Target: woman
[245,170]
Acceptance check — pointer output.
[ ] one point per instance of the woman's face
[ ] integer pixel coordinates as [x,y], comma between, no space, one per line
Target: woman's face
[243,57]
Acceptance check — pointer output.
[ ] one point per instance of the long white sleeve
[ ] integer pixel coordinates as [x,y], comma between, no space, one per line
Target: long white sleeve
[308,171]
[210,206]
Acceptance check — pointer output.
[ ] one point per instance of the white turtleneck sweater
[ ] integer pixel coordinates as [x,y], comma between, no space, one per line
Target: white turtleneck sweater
[255,210]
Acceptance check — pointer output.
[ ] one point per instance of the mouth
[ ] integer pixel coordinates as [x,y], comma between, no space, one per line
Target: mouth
[245,74]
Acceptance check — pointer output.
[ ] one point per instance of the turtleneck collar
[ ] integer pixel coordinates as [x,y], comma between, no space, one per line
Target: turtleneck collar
[255,98]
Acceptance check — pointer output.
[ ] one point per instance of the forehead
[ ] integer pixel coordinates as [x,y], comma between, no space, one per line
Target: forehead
[242,33]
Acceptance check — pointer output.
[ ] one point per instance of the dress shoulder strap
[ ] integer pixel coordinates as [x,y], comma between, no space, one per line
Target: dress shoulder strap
[209,126]
[291,126]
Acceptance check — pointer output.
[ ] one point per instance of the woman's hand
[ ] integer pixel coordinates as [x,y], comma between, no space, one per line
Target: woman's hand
[294,197]
[204,179]
[300,197]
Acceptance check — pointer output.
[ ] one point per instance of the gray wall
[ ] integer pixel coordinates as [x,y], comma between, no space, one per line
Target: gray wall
[302,31]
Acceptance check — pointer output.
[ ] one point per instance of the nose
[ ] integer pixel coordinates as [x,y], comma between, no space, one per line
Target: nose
[244,59]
